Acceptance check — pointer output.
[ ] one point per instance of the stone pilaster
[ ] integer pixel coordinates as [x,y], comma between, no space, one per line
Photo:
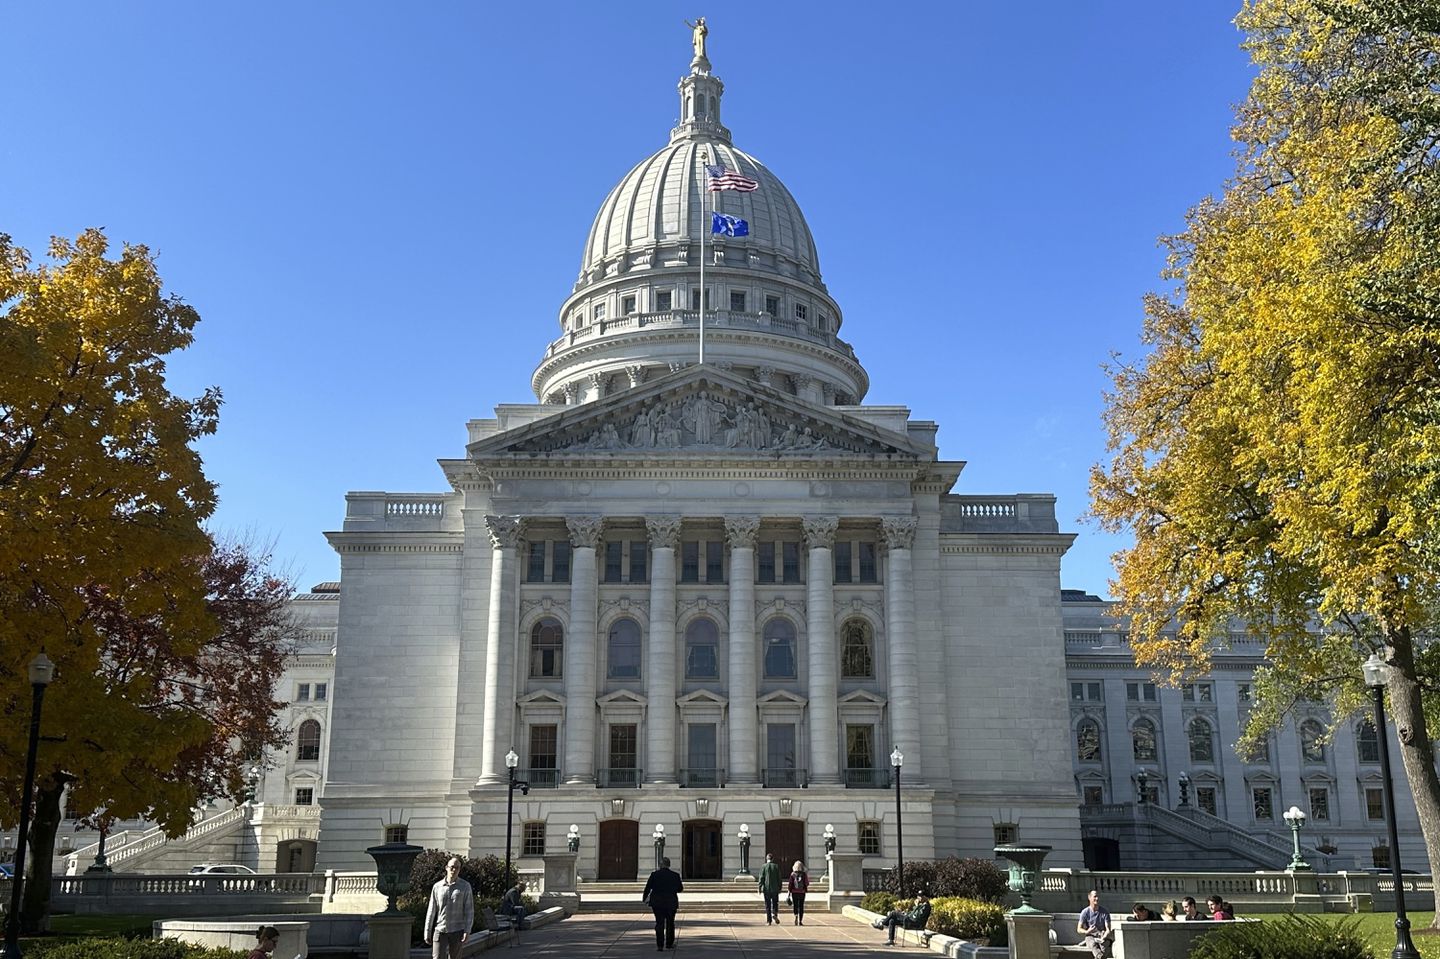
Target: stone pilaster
[820,640]
[741,531]
[499,695]
[582,649]
[664,533]
[899,534]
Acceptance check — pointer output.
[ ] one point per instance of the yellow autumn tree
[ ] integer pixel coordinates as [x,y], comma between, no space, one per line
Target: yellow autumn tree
[1276,454]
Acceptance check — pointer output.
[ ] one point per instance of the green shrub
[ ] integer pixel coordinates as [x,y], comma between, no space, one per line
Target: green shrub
[485,876]
[966,878]
[125,949]
[881,902]
[1289,936]
[968,919]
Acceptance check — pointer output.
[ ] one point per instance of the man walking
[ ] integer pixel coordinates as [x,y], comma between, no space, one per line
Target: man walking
[662,892]
[769,884]
[1095,926]
[450,915]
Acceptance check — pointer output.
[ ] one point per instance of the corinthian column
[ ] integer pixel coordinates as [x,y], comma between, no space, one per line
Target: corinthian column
[581,649]
[500,640]
[741,532]
[900,631]
[664,532]
[820,639]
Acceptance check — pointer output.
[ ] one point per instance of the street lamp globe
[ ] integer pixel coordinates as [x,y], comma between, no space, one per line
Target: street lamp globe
[1295,816]
[659,833]
[897,758]
[42,670]
[512,759]
[744,831]
[1376,670]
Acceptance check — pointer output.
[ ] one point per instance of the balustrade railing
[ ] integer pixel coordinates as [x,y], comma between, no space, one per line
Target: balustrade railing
[618,776]
[714,778]
[540,778]
[714,320]
[867,779]
[783,777]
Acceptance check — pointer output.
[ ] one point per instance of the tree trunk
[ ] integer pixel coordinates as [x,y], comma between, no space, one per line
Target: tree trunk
[35,907]
[1408,714]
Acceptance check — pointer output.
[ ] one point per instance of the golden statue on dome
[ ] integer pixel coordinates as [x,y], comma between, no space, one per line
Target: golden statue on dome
[698,32]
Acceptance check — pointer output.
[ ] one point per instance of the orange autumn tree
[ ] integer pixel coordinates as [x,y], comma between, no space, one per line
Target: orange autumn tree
[1276,454]
[167,646]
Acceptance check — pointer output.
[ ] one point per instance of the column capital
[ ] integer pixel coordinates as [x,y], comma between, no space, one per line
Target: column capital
[741,531]
[585,530]
[820,531]
[899,531]
[664,531]
[505,531]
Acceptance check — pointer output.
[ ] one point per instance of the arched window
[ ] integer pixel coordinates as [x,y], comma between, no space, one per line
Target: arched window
[1087,741]
[857,657]
[779,649]
[624,649]
[701,640]
[1312,744]
[307,742]
[1367,742]
[547,649]
[1142,738]
[1202,741]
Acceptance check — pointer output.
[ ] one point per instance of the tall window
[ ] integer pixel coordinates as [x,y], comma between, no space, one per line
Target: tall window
[1375,805]
[305,796]
[737,301]
[623,751]
[842,561]
[614,559]
[765,562]
[638,557]
[714,561]
[859,746]
[1140,692]
[544,748]
[701,639]
[534,842]
[779,649]
[1205,799]
[690,562]
[1263,803]
[865,558]
[780,754]
[1319,804]
[1142,738]
[790,561]
[1259,751]
[1367,742]
[1087,741]
[624,650]
[1312,745]
[701,753]
[1202,741]
[535,566]
[663,299]
[857,659]
[307,742]
[560,561]
[1093,795]
[547,649]
[869,835]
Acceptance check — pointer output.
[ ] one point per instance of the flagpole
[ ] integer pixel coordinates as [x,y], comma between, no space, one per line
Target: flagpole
[704,229]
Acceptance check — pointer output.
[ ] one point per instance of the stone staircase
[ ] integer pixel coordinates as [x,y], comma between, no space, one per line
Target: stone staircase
[1193,837]
[726,896]
[138,851]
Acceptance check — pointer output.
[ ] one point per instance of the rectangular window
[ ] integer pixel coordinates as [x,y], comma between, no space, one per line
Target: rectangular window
[701,752]
[1243,693]
[1093,795]
[1006,833]
[1263,803]
[397,833]
[614,553]
[700,659]
[714,561]
[1380,856]
[765,562]
[1140,692]
[1375,805]
[638,557]
[1086,692]
[544,746]
[560,561]
[305,796]
[627,305]
[842,562]
[790,561]
[868,567]
[737,301]
[623,741]
[662,301]
[859,746]
[1197,692]
[695,299]
[302,693]
[534,842]
[1092,691]
[690,562]
[1205,799]
[322,692]
[801,313]
[772,305]
[1077,691]
[1320,804]
[822,323]
[869,838]
[535,566]
[599,313]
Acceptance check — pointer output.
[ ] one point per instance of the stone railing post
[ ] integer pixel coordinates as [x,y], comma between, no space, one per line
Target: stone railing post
[561,882]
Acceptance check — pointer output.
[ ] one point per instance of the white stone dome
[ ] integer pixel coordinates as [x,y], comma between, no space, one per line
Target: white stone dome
[636,307]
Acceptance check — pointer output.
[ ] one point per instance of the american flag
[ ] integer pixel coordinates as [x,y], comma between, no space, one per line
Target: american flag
[723,179]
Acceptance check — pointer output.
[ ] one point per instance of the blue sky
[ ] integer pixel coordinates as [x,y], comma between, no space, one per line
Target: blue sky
[377,208]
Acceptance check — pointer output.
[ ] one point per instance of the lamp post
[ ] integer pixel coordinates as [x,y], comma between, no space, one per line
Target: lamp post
[897,759]
[572,838]
[829,837]
[659,837]
[744,837]
[1377,675]
[1184,780]
[512,760]
[42,671]
[1295,818]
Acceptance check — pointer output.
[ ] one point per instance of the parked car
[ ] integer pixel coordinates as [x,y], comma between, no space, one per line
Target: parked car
[221,869]
[7,871]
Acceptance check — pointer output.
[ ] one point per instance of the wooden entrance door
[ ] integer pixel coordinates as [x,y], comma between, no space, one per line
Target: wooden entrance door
[618,846]
[702,850]
[785,840]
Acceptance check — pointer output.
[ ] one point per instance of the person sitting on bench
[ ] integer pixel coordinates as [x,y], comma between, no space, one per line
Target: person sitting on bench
[916,918]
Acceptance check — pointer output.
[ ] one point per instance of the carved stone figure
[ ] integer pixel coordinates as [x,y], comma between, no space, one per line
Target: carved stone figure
[698,32]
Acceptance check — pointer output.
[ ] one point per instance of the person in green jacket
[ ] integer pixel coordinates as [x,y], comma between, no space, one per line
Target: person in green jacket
[770,888]
[916,918]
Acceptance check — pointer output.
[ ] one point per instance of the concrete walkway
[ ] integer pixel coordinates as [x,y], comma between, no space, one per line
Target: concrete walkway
[699,935]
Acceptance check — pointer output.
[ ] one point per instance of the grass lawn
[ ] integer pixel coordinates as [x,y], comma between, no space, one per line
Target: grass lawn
[1379,929]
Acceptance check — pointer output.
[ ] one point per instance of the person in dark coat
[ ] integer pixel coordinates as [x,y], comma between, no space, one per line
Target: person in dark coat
[662,892]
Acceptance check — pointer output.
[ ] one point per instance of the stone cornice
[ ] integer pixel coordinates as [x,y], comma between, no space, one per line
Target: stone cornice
[612,466]
[382,541]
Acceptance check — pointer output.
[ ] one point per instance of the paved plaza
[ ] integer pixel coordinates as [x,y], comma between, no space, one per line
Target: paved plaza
[701,935]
